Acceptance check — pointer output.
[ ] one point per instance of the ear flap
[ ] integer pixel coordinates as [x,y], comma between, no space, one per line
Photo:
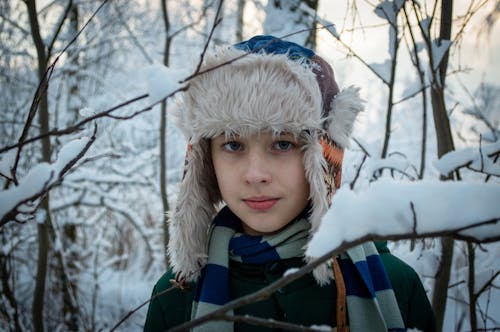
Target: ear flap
[193,213]
[344,109]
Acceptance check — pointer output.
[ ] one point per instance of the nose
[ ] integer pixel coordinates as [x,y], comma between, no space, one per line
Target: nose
[257,170]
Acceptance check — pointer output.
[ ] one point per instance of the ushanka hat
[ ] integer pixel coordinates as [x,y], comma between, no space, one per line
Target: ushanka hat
[263,84]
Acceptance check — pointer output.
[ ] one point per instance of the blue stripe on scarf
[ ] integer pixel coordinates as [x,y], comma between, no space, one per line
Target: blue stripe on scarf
[227,218]
[217,276]
[364,278]
[379,275]
[354,284]
[252,250]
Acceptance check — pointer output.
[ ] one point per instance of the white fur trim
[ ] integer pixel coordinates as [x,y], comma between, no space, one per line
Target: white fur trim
[314,164]
[344,110]
[254,93]
[193,213]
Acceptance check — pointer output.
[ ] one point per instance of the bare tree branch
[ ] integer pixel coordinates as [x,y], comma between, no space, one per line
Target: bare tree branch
[358,171]
[269,323]
[133,311]
[76,127]
[217,20]
[487,283]
[11,215]
[58,27]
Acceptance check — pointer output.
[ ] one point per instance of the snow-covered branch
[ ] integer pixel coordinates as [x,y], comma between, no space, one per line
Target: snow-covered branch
[73,128]
[40,180]
[384,211]
[478,159]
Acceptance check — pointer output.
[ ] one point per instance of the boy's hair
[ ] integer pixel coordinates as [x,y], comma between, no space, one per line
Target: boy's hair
[263,84]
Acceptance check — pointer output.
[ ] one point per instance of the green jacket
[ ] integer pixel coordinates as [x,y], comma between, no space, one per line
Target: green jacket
[301,302]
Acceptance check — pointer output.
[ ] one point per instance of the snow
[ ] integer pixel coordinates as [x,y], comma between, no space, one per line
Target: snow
[40,216]
[290,271]
[162,81]
[475,157]
[389,9]
[7,161]
[87,111]
[383,69]
[384,209]
[321,327]
[39,177]
[375,164]
[439,49]
[425,25]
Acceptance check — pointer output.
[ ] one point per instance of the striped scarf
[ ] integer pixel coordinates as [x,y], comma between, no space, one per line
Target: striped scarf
[371,303]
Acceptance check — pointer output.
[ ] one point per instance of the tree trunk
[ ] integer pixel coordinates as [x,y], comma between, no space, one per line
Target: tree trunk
[444,145]
[68,276]
[69,235]
[471,286]
[311,38]
[440,294]
[9,309]
[390,99]
[240,11]
[163,137]
[73,95]
[43,118]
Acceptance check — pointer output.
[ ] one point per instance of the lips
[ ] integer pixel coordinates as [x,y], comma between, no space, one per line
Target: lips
[260,203]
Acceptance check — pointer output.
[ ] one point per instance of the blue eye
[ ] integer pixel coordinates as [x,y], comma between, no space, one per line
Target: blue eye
[232,146]
[283,145]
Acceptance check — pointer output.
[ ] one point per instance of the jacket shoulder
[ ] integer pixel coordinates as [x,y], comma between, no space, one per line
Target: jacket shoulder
[410,293]
[169,305]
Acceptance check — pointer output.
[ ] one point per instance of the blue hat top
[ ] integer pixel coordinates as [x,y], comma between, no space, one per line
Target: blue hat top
[273,45]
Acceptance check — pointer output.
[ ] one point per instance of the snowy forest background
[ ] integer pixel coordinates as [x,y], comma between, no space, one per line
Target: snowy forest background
[89,163]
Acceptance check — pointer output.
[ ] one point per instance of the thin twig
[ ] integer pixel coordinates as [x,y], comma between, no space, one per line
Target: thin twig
[217,20]
[269,323]
[414,216]
[361,147]
[353,53]
[133,311]
[358,171]
[487,283]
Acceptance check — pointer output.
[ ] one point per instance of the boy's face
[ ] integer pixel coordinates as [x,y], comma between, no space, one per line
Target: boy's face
[261,179]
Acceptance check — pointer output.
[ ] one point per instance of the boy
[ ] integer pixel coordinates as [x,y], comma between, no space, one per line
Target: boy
[266,134]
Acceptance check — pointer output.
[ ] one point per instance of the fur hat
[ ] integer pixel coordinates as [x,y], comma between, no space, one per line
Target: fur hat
[264,83]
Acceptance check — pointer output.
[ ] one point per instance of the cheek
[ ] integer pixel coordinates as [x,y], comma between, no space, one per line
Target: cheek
[297,177]
[225,176]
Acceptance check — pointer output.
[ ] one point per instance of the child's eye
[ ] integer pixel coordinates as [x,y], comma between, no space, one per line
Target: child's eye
[283,145]
[232,146]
